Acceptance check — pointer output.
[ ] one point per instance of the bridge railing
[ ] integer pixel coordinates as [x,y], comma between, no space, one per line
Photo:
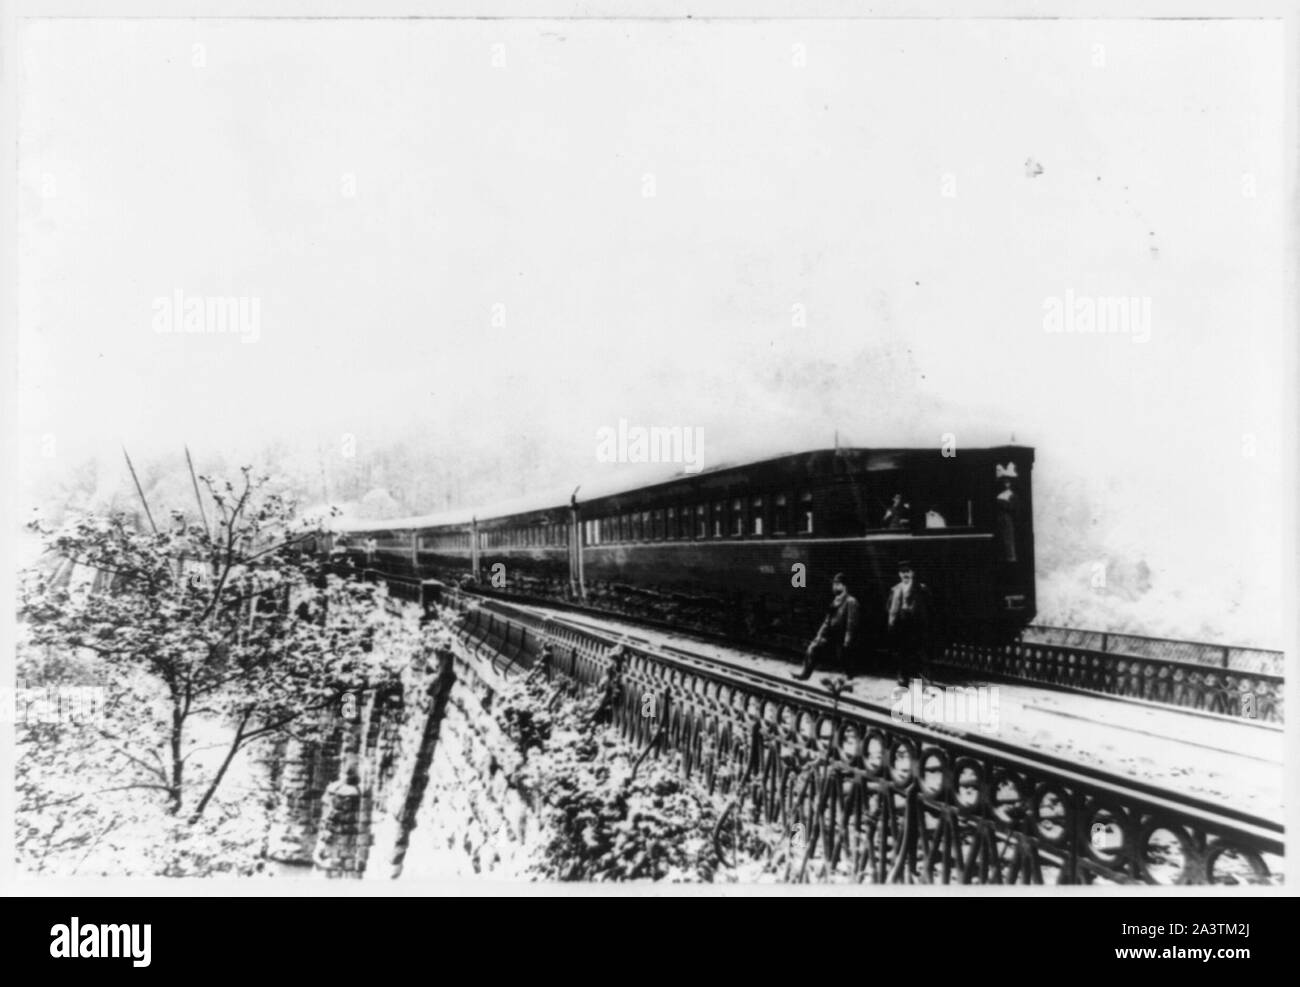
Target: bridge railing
[1240,659]
[1210,678]
[855,794]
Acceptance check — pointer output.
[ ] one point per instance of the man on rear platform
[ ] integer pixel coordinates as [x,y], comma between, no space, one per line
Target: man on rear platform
[838,639]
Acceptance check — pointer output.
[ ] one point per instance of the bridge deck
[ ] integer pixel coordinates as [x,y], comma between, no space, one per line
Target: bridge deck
[1235,762]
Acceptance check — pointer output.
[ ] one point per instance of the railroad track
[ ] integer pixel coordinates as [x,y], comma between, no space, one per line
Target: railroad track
[1194,686]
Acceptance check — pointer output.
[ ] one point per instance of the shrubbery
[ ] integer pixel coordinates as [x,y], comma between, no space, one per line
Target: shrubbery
[604,822]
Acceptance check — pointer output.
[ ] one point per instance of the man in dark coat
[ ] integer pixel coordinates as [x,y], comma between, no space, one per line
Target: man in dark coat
[910,622]
[839,638]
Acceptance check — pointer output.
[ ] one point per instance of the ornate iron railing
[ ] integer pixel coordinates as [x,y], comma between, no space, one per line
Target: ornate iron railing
[862,797]
[1191,685]
[1225,656]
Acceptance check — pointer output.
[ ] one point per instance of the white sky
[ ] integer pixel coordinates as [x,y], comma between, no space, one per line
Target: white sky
[776,185]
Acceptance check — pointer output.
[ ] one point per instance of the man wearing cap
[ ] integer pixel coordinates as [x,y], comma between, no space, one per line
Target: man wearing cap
[909,623]
[839,633]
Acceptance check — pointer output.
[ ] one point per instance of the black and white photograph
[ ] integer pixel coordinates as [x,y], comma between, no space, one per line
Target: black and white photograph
[653,449]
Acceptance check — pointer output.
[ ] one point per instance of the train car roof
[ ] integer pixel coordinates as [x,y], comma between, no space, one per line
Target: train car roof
[652,477]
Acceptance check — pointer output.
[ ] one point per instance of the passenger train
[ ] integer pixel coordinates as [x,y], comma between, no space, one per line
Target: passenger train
[747,552]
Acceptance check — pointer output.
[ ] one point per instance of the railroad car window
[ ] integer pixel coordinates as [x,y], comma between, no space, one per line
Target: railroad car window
[737,517]
[718,509]
[701,521]
[806,512]
[892,503]
[671,531]
[638,527]
[780,515]
[756,516]
[948,512]
[659,524]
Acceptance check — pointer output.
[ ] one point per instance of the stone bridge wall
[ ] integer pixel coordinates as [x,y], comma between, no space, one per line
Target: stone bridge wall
[416,782]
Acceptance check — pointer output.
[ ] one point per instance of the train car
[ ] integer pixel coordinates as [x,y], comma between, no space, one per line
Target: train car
[748,551]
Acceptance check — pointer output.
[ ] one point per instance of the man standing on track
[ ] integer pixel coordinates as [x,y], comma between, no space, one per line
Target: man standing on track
[839,634]
[909,624]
